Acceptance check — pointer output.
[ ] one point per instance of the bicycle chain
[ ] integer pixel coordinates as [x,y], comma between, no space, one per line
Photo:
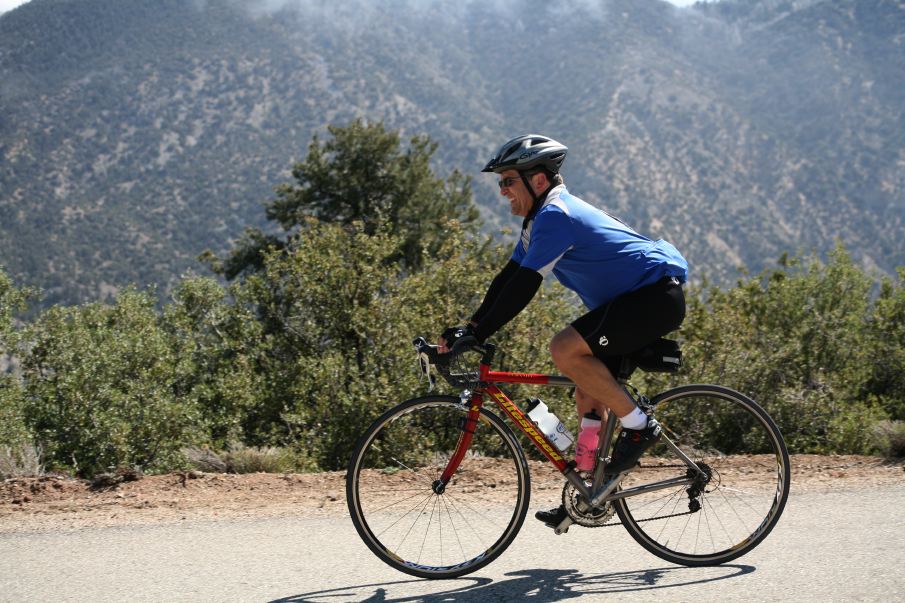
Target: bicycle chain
[609,525]
[680,466]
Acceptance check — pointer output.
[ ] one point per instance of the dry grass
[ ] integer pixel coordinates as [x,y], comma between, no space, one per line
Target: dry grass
[24,461]
[241,459]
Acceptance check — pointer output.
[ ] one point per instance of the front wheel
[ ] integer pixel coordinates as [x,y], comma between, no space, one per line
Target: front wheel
[738,494]
[417,530]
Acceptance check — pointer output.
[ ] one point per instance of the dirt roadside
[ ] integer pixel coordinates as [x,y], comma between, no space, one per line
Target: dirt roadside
[53,503]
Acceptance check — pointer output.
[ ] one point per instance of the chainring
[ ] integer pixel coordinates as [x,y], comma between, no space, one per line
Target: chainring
[593,518]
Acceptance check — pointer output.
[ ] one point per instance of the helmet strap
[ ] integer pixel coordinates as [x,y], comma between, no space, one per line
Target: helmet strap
[537,199]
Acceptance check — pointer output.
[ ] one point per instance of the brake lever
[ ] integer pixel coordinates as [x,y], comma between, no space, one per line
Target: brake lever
[424,351]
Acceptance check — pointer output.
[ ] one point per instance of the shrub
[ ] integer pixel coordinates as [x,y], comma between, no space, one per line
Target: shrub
[99,388]
[890,437]
[249,459]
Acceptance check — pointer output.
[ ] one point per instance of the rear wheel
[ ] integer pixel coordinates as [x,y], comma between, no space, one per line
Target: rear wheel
[738,498]
[396,510]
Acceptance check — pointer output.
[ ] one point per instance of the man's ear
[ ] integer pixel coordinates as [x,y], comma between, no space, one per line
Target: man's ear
[540,182]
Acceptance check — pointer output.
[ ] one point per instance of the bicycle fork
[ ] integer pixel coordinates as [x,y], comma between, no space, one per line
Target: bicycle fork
[468,427]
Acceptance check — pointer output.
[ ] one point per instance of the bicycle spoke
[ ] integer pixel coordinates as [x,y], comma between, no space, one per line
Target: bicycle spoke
[455,530]
[414,522]
[414,471]
[427,531]
[393,504]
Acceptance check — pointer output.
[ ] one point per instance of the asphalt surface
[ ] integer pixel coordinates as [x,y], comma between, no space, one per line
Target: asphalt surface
[837,546]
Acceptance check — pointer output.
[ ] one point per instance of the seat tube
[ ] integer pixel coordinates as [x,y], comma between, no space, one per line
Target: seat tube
[603,446]
[469,426]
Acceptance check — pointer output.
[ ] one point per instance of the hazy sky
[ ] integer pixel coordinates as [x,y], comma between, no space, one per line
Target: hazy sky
[6,5]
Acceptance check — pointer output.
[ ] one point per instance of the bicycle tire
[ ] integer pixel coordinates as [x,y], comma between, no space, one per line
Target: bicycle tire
[743,451]
[392,503]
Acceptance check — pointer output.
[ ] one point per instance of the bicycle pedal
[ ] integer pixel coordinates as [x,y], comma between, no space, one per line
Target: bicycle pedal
[563,526]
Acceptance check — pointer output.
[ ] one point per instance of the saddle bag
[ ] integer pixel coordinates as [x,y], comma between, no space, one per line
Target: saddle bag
[662,356]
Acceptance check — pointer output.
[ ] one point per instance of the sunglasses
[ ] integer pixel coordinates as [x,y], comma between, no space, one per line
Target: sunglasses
[507,182]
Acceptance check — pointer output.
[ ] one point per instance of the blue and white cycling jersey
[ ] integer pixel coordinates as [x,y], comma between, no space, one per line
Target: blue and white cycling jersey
[592,253]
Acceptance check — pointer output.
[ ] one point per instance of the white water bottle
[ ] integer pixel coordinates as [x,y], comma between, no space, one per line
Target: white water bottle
[549,424]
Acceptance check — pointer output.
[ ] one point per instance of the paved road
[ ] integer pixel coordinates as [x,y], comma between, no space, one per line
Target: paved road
[827,547]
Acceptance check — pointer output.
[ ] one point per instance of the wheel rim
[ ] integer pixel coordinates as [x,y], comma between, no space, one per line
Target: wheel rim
[417,529]
[732,509]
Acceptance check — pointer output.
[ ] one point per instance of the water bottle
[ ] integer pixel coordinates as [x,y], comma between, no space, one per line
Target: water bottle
[549,424]
[587,441]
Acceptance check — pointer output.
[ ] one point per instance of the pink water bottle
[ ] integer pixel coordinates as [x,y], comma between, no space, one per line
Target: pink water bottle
[587,441]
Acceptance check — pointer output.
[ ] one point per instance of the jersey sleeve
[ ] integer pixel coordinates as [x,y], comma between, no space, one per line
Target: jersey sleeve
[551,236]
[518,254]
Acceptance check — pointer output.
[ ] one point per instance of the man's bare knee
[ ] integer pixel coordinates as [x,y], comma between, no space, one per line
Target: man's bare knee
[566,346]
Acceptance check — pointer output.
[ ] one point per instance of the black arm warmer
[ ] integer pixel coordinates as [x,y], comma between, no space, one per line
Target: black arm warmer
[493,292]
[509,301]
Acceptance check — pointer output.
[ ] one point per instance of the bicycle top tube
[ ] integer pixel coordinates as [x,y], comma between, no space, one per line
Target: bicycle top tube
[490,376]
[459,374]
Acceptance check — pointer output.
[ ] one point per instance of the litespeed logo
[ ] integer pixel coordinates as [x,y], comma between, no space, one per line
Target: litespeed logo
[528,426]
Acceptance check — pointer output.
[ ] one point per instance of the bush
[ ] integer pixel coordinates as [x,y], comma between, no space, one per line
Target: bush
[14,435]
[269,459]
[99,388]
[890,437]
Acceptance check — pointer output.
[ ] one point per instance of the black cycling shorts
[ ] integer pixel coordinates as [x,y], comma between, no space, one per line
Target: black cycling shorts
[631,321]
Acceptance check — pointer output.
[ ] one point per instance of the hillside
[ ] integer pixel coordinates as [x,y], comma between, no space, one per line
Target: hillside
[134,135]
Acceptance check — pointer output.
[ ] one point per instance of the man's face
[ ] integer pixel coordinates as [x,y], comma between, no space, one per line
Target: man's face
[513,188]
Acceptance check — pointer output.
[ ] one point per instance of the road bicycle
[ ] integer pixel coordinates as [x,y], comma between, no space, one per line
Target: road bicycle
[438,486]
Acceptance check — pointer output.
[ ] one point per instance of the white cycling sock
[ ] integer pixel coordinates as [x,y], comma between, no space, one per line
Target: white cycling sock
[634,420]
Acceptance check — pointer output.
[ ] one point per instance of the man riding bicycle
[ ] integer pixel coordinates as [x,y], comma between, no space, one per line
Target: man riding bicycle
[631,285]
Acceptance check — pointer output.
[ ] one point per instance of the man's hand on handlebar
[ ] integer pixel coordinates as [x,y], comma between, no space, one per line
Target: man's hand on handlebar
[457,339]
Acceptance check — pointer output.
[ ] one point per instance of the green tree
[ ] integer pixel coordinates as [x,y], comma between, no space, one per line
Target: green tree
[362,174]
[216,341]
[337,321]
[886,348]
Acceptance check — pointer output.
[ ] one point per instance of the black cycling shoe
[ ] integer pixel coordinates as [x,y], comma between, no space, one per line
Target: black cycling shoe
[631,444]
[553,517]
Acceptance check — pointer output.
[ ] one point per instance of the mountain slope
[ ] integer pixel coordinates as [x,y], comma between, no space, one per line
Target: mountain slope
[133,135]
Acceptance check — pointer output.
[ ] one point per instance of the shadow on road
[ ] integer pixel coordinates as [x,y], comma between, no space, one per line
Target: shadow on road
[537,584]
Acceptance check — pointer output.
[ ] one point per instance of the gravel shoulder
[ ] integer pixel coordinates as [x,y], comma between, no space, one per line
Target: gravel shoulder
[55,503]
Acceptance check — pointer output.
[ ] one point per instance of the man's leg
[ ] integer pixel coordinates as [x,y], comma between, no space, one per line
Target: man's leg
[585,403]
[574,358]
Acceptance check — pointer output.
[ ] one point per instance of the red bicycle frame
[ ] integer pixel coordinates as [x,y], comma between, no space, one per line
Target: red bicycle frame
[488,378]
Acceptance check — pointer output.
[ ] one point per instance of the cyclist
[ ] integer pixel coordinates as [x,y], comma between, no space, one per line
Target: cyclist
[631,285]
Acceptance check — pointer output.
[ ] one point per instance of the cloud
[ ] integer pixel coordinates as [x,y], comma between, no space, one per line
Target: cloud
[7,5]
